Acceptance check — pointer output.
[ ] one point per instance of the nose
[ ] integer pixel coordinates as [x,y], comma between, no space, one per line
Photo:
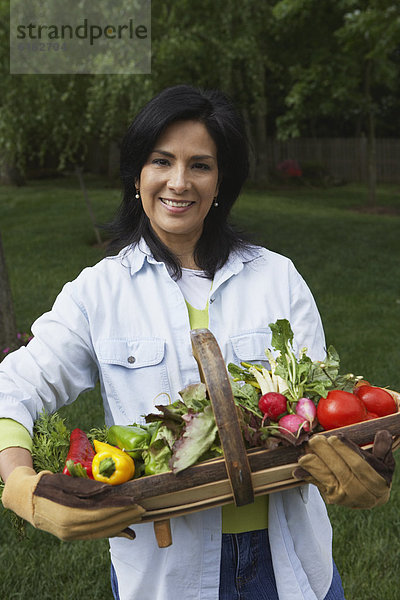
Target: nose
[178,181]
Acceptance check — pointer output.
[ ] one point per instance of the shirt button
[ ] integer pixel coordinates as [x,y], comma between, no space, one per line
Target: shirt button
[131,360]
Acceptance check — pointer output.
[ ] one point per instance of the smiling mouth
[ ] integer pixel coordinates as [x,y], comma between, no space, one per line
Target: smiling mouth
[176,203]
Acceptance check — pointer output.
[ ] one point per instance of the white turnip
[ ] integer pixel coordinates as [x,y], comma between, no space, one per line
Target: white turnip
[293,423]
[306,409]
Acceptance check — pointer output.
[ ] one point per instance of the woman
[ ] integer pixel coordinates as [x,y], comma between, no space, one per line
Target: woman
[127,322]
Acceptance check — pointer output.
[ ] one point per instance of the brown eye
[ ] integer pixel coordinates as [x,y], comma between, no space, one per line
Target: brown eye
[202,166]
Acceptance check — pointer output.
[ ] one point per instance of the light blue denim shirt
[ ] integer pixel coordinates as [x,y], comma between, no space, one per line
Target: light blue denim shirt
[125,323]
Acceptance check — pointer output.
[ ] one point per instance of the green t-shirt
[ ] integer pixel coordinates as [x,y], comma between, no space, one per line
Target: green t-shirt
[14,434]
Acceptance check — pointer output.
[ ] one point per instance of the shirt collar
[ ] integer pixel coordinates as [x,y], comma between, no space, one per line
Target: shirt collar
[132,257]
[135,255]
[235,264]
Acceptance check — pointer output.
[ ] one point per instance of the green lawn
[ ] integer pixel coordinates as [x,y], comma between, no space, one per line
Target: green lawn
[350,261]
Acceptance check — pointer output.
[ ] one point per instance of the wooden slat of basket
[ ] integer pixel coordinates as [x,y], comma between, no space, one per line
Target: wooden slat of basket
[262,481]
[200,493]
[213,373]
[396,444]
[162,531]
[195,506]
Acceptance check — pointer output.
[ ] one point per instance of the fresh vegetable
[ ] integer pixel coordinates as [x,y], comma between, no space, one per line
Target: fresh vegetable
[197,437]
[80,455]
[246,397]
[304,377]
[267,381]
[376,400]
[51,440]
[154,462]
[130,438]
[293,423]
[359,383]
[111,465]
[303,383]
[340,408]
[371,416]
[158,455]
[295,372]
[306,408]
[272,405]
[186,432]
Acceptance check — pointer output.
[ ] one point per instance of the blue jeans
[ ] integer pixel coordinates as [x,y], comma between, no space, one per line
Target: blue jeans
[246,570]
[247,573]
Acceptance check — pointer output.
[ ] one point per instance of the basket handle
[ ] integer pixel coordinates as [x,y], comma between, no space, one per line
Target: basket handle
[215,376]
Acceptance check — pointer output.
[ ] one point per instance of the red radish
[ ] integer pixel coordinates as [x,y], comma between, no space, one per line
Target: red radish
[293,423]
[306,408]
[272,404]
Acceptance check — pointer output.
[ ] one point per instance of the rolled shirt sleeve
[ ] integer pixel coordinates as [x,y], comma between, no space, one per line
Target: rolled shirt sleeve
[54,368]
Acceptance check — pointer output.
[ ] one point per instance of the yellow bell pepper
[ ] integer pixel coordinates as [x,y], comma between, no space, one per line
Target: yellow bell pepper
[111,465]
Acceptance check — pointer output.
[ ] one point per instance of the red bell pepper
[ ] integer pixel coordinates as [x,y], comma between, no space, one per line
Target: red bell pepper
[80,455]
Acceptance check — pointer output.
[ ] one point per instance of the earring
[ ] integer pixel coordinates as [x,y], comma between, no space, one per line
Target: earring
[215,202]
[137,195]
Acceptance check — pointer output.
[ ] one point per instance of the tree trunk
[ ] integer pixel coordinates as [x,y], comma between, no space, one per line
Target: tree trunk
[371,159]
[371,139]
[8,327]
[261,167]
[252,145]
[78,171]
[12,175]
[113,160]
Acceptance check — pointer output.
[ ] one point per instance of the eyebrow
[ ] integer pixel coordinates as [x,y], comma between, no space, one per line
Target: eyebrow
[195,157]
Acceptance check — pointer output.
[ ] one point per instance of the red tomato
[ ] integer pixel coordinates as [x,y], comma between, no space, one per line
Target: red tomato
[371,416]
[377,400]
[359,383]
[340,408]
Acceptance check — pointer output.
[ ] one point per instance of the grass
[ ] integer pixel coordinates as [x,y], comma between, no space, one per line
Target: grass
[350,261]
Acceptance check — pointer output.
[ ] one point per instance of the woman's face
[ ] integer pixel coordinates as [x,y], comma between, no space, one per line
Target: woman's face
[178,183]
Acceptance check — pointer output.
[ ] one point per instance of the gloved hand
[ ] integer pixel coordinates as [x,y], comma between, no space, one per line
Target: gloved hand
[71,508]
[347,475]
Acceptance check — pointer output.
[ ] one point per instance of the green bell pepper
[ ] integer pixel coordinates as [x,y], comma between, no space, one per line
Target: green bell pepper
[133,439]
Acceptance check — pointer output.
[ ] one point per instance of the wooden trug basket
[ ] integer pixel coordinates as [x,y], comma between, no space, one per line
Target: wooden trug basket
[240,475]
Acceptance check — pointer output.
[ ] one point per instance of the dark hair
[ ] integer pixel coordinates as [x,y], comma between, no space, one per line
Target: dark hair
[224,124]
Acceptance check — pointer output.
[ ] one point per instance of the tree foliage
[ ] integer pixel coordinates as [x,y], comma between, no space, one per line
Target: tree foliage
[294,67]
[348,68]
[347,65]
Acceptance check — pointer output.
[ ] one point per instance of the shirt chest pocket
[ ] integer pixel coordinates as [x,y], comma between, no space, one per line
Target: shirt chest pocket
[250,346]
[133,372]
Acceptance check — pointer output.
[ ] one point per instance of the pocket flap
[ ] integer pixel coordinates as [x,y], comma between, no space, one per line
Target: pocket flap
[132,353]
[251,345]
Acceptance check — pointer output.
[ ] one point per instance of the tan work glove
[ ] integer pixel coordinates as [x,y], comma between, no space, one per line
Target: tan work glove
[347,475]
[71,508]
